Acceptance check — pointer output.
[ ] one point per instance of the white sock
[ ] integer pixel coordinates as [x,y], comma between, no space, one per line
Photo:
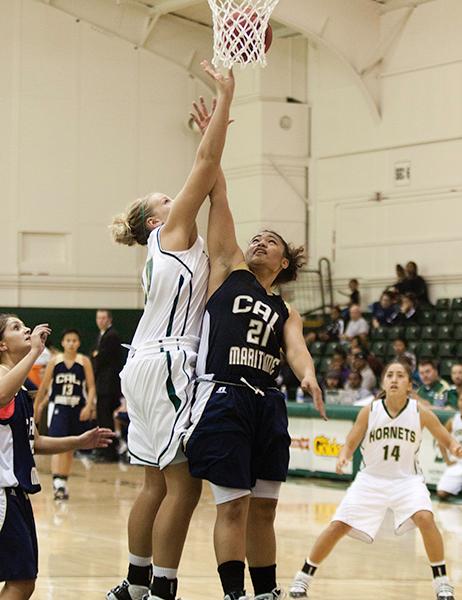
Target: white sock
[164,572]
[139,561]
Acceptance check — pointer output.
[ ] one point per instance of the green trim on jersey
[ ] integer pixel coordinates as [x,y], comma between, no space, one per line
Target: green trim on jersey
[170,387]
[175,304]
[397,415]
[148,270]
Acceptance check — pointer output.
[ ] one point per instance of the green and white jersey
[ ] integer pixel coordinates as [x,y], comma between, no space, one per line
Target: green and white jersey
[175,287]
[391,444]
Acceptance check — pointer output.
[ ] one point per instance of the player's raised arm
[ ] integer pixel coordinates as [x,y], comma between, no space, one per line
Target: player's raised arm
[354,438]
[429,420]
[300,360]
[180,223]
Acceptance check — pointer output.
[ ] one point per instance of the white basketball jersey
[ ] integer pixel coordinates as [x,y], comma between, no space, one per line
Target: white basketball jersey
[390,446]
[457,431]
[175,287]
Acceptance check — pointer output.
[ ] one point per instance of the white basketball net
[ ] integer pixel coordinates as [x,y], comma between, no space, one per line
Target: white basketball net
[239,28]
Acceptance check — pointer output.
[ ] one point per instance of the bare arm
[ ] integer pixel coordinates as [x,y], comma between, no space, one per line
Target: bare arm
[95,438]
[354,438]
[180,224]
[42,397]
[300,360]
[11,381]
[444,452]
[86,412]
[429,420]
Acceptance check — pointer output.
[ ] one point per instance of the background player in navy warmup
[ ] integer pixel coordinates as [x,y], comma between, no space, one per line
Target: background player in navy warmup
[239,439]
[70,375]
[390,432]
[19,349]
[157,379]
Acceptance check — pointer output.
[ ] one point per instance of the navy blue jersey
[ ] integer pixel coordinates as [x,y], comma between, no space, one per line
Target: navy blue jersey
[68,383]
[17,466]
[242,332]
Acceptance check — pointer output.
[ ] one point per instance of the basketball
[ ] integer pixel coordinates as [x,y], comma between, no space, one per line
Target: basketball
[240,29]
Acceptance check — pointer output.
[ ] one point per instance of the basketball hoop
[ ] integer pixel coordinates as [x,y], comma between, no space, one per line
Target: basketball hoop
[241,31]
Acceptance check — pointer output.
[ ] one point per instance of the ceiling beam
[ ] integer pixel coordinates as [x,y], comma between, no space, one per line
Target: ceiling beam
[167,6]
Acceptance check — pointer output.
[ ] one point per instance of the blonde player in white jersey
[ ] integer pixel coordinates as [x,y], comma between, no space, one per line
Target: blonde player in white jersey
[450,483]
[156,381]
[389,431]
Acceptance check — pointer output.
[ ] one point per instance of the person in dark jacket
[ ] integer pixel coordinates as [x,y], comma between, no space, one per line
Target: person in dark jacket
[107,356]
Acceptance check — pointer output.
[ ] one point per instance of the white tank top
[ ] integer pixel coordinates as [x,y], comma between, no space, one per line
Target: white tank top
[175,287]
[390,446]
[457,432]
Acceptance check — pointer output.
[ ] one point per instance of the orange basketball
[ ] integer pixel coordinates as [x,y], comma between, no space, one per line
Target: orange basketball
[239,28]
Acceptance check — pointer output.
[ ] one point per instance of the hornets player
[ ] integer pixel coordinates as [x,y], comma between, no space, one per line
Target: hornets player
[19,349]
[390,432]
[70,375]
[157,379]
[239,439]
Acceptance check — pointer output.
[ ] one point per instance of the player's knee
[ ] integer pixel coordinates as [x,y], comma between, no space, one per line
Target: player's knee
[442,494]
[263,510]
[338,528]
[233,511]
[22,589]
[424,519]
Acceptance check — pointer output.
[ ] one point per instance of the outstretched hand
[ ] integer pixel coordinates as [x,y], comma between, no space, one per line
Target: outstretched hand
[201,114]
[311,386]
[39,336]
[223,83]
[96,438]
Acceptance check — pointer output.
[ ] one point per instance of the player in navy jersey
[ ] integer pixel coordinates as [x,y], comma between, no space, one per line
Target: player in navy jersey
[157,380]
[72,382]
[239,439]
[19,349]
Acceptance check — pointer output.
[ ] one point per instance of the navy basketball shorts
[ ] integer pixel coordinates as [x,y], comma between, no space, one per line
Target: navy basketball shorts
[238,436]
[66,421]
[18,538]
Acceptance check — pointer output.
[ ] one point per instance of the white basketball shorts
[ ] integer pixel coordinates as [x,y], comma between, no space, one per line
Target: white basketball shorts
[157,385]
[368,498]
[451,480]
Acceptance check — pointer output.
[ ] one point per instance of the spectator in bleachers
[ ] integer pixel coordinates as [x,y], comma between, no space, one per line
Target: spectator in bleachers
[356,387]
[332,381]
[354,294]
[402,353]
[415,284]
[333,330]
[408,311]
[434,390]
[384,312]
[357,326]
[396,288]
[360,363]
[339,363]
[455,390]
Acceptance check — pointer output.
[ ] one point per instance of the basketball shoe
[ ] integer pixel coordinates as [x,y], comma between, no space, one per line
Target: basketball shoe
[235,596]
[127,591]
[300,585]
[443,589]
[276,594]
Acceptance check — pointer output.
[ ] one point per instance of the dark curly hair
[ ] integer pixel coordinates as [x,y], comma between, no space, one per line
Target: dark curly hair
[294,254]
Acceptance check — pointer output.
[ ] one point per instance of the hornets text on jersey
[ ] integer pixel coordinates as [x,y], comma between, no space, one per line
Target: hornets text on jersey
[243,324]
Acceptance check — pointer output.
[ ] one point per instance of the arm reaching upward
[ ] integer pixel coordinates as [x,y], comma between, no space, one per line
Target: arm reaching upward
[179,230]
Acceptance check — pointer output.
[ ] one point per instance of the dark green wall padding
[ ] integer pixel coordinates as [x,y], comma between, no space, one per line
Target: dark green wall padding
[83,319]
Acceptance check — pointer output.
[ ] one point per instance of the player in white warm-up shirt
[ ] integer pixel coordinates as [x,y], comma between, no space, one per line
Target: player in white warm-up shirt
[157,379]
[389,431]
[451,480]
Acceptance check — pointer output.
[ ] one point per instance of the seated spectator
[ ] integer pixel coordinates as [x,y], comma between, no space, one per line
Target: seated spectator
[332,381]
[455,390]
[338,362]
[402,353]
[434,391]
[355,387]
[408,311]
[415,284]
[332,332]
[361,364]
[384,312]
[450,483]
[357,326]
[354,295]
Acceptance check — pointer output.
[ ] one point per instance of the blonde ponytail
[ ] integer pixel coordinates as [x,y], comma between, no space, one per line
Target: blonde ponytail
[130,228]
